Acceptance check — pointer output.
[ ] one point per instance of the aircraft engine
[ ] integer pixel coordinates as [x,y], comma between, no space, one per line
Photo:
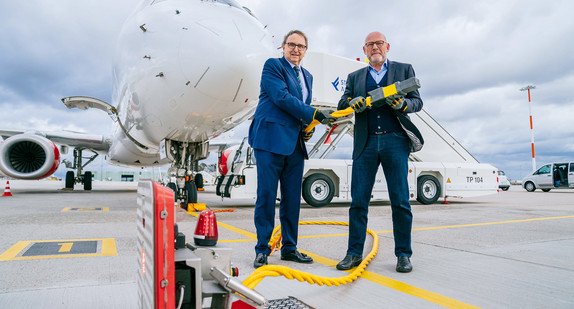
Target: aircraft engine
[28,156]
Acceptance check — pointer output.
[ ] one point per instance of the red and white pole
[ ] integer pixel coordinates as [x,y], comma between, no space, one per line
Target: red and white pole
[531,125]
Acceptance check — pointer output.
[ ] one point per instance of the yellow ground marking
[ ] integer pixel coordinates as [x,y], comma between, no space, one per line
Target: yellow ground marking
[486,223]
[399,286]
[386,281]
[415,291]
[254,236]
[65,247]
[449,226]
[108,248]
[86,209]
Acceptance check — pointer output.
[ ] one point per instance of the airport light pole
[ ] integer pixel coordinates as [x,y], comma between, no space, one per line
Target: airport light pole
[527,88]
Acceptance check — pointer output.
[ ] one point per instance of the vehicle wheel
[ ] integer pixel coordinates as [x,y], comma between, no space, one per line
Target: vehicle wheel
[173,187]
[198,180]
[70,180]
[505,188]
[191,192]
[318,190]
[88,181]
[428,189]
[529,186]
[545,190]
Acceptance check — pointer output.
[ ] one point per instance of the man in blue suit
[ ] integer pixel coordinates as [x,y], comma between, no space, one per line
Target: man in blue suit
[276,134]
[379,139]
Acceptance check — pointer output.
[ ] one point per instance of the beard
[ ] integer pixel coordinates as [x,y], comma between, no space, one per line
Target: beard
[377,59]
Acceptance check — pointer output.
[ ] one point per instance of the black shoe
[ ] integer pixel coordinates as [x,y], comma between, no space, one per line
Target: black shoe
[404,264]
[297,256]
[349,262]
[260,260]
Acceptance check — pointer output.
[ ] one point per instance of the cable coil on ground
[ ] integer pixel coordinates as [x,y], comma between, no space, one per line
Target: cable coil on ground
[278,270]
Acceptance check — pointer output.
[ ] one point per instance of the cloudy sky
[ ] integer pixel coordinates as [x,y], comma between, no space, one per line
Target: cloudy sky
[472,57]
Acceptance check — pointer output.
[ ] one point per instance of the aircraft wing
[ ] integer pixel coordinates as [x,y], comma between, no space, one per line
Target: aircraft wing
[98,143]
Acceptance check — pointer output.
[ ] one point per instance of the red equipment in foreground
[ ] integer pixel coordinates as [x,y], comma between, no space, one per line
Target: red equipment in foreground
[176,274]
[156,278]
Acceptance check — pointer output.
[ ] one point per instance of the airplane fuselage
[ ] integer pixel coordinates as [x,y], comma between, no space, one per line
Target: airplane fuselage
[185,71]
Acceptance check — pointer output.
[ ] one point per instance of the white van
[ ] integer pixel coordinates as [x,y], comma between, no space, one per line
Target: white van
[550,176]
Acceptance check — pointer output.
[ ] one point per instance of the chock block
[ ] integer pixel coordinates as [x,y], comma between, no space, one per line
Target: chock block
[192,207]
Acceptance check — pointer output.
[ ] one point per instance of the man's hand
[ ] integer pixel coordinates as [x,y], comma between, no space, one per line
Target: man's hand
[307,135]
[323,116]
[358,104]
[397,102]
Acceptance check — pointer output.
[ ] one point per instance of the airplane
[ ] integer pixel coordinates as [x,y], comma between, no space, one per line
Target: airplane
[185,71]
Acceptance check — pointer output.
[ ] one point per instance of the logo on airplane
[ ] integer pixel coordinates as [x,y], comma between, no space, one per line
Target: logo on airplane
[336,84]
[339,84]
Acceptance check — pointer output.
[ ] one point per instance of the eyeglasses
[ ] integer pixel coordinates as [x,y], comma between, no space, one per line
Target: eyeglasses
[293,45]
[379,44]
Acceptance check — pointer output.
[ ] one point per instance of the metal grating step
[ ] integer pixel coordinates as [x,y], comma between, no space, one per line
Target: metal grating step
[287,303]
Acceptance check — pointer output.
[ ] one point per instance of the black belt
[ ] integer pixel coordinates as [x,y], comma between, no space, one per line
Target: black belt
[380,132]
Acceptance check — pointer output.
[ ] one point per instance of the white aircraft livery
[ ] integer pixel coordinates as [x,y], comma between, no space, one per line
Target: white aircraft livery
[185,71]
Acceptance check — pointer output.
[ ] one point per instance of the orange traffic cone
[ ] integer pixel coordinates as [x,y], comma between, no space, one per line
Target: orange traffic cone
[7,190]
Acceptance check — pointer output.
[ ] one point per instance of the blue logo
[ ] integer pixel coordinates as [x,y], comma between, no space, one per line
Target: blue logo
[336,84]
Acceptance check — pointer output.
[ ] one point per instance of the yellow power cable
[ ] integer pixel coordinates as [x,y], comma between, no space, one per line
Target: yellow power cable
[278,270]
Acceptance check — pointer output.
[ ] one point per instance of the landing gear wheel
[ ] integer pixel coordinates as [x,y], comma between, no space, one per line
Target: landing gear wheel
[318,190]
[198,180]
[70,180]
[529,186]
[173,186]
[428,189]
[88,181]
[191,192]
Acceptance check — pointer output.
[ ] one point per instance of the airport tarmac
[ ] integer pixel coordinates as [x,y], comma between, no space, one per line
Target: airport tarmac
[513,249]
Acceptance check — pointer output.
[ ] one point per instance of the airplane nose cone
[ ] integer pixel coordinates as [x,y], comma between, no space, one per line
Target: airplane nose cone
[188,70]
[223,56]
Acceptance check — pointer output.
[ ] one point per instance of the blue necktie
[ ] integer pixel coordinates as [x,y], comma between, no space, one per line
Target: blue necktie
[297,70]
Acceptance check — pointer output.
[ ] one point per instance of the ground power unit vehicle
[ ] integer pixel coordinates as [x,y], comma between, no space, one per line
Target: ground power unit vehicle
[550,176]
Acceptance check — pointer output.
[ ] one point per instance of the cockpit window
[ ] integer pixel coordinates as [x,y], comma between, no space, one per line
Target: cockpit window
[235,4]
[230,3]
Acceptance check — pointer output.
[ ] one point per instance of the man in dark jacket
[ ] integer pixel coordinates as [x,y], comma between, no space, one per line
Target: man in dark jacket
[379,139]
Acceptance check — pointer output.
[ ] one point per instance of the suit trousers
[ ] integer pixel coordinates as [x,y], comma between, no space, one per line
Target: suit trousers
[288,171]
[391,151]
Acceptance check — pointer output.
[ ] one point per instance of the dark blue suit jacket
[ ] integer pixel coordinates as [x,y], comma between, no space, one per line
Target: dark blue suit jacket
[357,86]
[281,114]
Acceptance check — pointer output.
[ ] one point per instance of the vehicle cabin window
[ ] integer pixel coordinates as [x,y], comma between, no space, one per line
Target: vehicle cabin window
[543,170]
[571,167]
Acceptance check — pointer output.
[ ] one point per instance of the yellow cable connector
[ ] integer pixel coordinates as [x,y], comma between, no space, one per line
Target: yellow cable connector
[403,88]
